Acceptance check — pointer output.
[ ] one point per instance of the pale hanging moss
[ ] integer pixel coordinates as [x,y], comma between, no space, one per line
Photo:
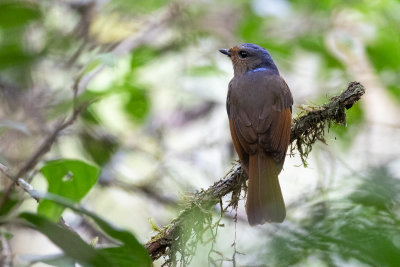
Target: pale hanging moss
[178,240]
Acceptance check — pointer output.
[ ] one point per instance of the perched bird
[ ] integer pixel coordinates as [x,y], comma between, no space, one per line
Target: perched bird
[259,106]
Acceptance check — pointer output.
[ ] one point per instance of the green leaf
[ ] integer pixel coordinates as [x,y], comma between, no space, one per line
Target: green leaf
[124,256]
[17,13]
[68,178]
[100,147]
[14,55]
[105,59]
[9,204]
[131,253]
[90,67]
[138,103]
[142,56]
[71,243]
[90,116]
[119,256]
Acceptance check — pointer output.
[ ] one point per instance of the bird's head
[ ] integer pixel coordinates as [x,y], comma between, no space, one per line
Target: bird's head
[250,57]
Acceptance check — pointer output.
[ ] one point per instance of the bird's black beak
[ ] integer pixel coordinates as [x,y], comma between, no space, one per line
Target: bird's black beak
[225,52]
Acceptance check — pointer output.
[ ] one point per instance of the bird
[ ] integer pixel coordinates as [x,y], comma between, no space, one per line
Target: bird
[259,106]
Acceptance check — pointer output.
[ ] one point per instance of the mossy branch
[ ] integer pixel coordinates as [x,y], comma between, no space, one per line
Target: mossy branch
[195,219]
[310,127]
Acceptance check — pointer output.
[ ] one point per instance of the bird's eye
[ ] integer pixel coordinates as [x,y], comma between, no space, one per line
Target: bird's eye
[243,54]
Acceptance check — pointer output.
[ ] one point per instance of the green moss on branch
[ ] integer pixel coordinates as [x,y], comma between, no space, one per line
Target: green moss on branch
[183,233]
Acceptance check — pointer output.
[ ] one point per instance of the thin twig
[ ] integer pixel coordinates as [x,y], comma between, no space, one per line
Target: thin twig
[20,182]
[125,46]
[49,141]
[145,189]
[6,257]
[40,151]
[302,127]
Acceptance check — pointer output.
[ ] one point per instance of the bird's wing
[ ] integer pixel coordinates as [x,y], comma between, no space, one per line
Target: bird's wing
[275,122]
[237,143]
[260,116]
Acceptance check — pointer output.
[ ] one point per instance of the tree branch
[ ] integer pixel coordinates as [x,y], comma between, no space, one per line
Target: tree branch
[20,182]
[306,130]
[40,151]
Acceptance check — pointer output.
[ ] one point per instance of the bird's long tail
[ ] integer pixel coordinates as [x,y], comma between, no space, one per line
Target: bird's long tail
[264,198]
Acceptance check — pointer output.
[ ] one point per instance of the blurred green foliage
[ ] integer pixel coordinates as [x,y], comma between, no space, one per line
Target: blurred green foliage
[17,14]
[384,53]
[362,226]
[142,56]
[10,203]
[15,18]
[50,44]
[72,245]
[100,148]
[126,251]
[140,7]
[137,102]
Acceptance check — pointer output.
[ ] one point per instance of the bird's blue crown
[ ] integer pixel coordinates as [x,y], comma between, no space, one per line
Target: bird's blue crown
[267,63]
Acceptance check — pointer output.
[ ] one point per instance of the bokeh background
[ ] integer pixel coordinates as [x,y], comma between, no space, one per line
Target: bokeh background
[157,125]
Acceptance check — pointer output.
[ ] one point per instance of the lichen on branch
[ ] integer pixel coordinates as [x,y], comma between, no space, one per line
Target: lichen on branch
[310,127]
[183,233]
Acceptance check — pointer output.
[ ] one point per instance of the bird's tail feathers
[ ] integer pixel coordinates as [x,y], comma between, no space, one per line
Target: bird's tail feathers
[264,198]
